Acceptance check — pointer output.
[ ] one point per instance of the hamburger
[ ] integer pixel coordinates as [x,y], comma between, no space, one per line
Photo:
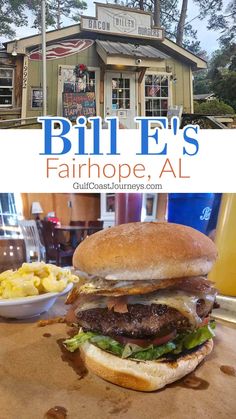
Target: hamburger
[143,309]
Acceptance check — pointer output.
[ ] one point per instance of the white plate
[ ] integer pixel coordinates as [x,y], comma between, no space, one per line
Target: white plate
[26,307]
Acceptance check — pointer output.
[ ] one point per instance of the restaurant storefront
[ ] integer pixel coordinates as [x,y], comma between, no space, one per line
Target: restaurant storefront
[115,64]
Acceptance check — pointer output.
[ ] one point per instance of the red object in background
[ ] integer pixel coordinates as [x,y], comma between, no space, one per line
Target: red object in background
[128,207]
[54,220]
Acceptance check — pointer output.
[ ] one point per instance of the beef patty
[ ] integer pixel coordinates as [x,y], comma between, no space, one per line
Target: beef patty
[141,321]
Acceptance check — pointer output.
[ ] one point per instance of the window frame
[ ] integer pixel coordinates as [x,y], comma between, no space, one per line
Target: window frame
[121,98]
[17,214]
[33,88]
[144,97]
[8,87]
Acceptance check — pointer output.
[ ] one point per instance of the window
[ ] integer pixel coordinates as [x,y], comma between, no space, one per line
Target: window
[6,86]
[120,93]
[156,95]
[149,207]
[10,209]
[110,202]
[36,97]
[85,84]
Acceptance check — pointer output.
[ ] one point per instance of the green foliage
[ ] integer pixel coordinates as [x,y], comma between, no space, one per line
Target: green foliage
[170,14]
[56,10]
[224,57]
[221,76]
[222,73]
[224,87]
[202,82]
[224,20]
[12,12]
[213,107]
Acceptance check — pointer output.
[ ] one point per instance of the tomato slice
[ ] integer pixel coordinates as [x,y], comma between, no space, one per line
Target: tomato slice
[204,322]
[146,342]
[164,339]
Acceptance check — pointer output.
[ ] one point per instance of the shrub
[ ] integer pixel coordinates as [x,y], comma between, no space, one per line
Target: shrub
[213,107]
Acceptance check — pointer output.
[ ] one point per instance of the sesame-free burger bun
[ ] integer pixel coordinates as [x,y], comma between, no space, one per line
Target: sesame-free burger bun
[138,251]
[141,375]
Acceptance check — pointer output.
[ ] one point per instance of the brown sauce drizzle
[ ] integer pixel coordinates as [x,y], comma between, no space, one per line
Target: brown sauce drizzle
[47,335]
[228,369]
[73,359]
[194,382]
[57,412]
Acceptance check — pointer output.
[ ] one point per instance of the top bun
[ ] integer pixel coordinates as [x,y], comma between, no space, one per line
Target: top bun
[139,251]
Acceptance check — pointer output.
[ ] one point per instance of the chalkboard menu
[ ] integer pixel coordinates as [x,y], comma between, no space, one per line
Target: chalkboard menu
[77,104]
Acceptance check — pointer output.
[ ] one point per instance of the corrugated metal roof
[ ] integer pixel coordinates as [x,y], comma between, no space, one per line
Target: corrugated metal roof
[203,96]
[131,50]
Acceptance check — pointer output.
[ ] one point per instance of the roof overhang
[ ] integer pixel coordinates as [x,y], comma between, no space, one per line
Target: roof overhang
[196,62]
[130,55]
[29,42]
[166,46]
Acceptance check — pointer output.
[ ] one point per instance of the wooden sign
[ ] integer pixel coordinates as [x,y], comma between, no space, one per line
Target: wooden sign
[79,104]
[122,21]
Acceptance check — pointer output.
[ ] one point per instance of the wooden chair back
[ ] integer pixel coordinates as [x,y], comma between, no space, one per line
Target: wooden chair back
[95,223]
[79,234]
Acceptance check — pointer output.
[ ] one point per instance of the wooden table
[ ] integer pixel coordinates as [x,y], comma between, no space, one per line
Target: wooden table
[36,376]
[77,228]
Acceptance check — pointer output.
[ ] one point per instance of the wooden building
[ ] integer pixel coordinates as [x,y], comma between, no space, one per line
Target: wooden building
[114,64]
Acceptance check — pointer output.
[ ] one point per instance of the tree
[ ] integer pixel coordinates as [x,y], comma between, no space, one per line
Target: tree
[223,73]
[166,13]
[224,87]
[56,10]
[220,18]
[202,82]
[220,78]
[12,12]
[213,107]
[181,23]
[174,18]
[157,13]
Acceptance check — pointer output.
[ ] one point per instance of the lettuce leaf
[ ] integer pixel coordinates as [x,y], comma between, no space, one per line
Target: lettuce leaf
[153,352]
[74,343]
[180,343]
[108,344]
[196,338]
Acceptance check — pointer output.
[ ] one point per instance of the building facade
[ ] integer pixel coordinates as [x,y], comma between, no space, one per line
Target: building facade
[115,64]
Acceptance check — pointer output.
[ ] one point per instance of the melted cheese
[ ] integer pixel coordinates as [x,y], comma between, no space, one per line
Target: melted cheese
[184,302]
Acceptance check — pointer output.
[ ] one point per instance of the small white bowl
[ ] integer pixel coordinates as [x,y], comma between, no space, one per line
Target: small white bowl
[27,307]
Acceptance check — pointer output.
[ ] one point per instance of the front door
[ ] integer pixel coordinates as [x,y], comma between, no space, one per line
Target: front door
[120,98]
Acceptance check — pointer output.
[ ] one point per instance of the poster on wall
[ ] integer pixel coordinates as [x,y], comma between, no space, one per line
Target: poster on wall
[77,104]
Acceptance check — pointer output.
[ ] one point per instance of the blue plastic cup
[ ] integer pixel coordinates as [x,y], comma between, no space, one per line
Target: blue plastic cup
[191,209]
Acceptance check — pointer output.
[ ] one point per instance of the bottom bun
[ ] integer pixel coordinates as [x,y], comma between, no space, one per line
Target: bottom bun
[141,375]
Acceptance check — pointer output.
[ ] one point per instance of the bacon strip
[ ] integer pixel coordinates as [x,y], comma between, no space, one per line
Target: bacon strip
[118,304]
[199,285]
